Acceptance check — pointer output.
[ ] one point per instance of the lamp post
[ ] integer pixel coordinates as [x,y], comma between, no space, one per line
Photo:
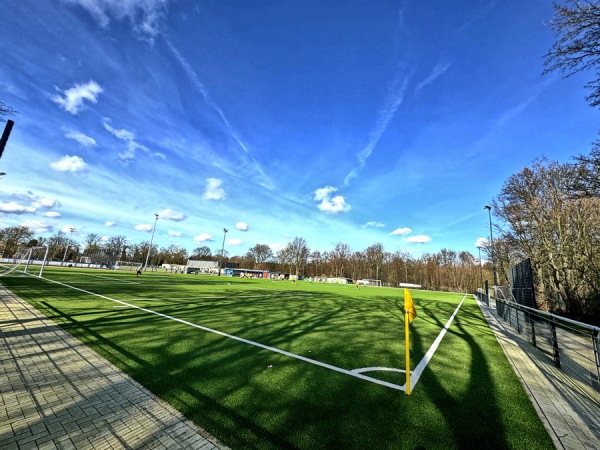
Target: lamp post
[68,244]
[151,239]
[492,251]
[225,230]
[480,265]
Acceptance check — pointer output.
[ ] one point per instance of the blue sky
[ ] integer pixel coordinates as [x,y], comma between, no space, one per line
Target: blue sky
[336,121]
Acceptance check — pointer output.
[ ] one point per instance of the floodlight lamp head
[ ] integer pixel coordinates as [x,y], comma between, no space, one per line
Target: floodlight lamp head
[487,207]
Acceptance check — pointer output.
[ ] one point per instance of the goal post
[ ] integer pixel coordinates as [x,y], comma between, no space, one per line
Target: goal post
[370,282]
[23,258]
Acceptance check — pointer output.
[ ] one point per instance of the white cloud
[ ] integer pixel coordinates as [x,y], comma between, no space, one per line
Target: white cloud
[331,205]
[169,214]
[74,97]
[373,224]
[28,202]
[83,139]
[481,242]
[144,15]
[401,231]
[144,227]
[67,229]
[234,241]
[109,223]
[46,203]
[174,233]
[213,190]
[242,226]
[69,164]
[129,138]
[52,214]
[418,239]
[37,226]
[15,208]
[203,237]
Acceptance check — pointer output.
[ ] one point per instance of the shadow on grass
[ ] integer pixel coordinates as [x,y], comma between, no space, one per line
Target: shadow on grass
[228,388]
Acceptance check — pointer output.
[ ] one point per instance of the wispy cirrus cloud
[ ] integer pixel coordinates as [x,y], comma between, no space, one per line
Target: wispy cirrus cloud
[72,99]
[83,139]
[201,88]
[145,16]
[438,71]
[392,102]
[131,142]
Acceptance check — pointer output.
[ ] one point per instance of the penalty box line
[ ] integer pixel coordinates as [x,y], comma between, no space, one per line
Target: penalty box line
[353,373]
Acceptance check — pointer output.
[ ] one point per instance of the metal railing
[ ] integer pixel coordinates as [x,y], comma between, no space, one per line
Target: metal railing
[573,346]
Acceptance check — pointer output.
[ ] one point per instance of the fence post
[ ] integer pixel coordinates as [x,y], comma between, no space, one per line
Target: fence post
[555,352]
[596,344]
[532,322]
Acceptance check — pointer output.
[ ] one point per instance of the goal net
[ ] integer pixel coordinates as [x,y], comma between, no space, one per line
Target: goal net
[25,260]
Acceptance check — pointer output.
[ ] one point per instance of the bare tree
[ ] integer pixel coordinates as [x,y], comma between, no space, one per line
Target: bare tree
[576,26]
[339,257]
[560,234]
[6,110]
[260,254]
[202,252]
[14,237]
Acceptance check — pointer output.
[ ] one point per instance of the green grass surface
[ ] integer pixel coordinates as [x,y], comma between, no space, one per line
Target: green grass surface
[467,397]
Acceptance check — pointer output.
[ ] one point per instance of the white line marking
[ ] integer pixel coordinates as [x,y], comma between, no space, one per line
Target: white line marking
[353,373]
[372,369]
[416,374]
[119,280]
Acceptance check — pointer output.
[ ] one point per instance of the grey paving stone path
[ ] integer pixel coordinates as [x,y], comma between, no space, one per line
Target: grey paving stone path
[567,409]
[55,393]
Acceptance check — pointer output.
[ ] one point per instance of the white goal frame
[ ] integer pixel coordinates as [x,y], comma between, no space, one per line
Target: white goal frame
[24,257]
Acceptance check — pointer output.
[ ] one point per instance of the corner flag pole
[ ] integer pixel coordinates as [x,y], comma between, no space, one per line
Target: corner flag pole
[407,350]
[409,315]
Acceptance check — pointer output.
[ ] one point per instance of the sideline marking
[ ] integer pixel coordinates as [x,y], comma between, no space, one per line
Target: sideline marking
[353,373]
[107,278]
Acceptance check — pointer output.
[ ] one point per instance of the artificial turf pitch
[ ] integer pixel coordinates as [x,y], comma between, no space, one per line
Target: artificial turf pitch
[235,385]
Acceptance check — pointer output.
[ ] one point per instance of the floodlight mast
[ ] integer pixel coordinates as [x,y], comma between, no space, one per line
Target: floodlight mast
[68,244]
[151,240]
[225,230]
[492,250]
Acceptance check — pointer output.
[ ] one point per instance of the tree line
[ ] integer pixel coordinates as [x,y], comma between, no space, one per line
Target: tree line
[446,270]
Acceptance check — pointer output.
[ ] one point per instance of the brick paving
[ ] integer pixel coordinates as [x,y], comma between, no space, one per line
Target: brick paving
[56,393]
[567,408]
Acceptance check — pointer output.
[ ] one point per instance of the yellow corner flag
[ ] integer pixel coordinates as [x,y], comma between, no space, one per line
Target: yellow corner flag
[410,313]
[409,307]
